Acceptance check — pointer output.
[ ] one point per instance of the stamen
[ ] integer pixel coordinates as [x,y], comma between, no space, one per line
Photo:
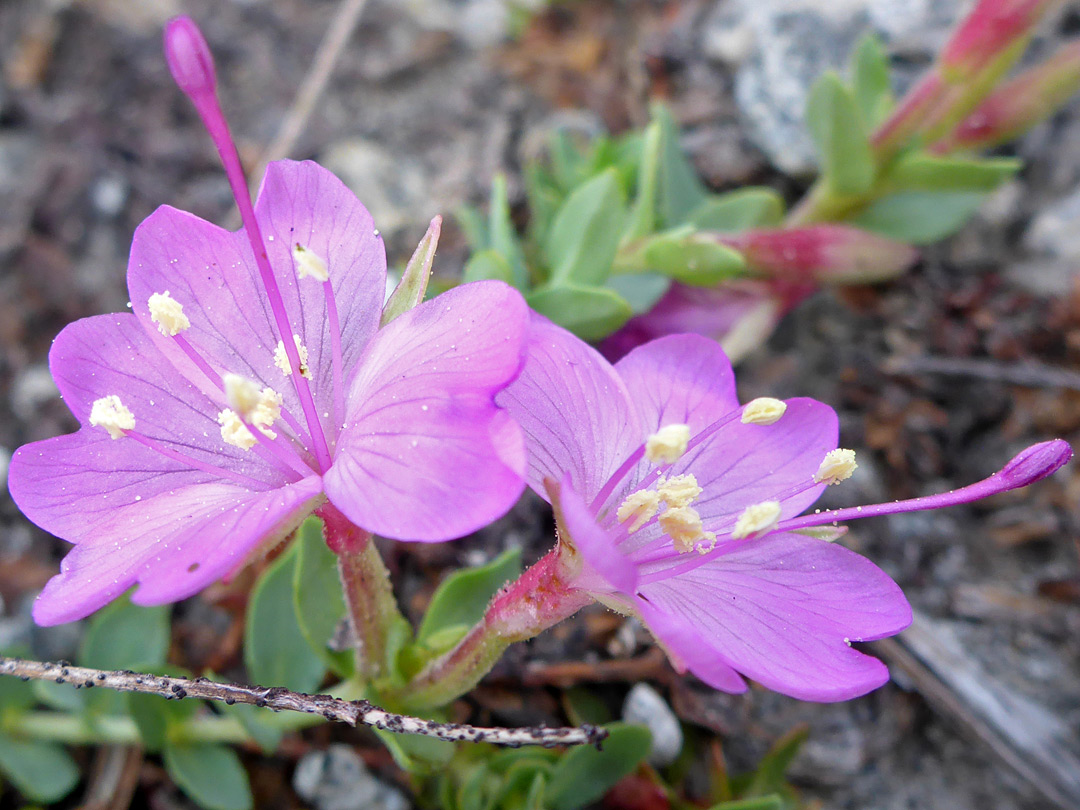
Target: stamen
[763,411]
[110,413]
[309,264]
[641,506]
[679,490]
[667,445]
[192,66]
[756,519]
[241,393]
[267,411]
[282,361]
[837,466]
[168,314]
[683,525]
[234,431]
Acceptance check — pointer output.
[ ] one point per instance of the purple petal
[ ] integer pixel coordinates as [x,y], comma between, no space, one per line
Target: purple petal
[173,545]
[574,409]
[783,611]
[683,379]
[599,550]
[689,650]
[212,273]
[426,454]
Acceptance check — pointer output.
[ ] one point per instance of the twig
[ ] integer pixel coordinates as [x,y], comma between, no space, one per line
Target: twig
[357,712]
[314,84]
[1032,375]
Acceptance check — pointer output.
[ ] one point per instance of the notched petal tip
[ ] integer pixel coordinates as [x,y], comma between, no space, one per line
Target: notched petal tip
[190,61]
[1036,463]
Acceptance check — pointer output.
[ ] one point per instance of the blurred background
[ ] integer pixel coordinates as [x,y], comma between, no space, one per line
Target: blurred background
[939,377]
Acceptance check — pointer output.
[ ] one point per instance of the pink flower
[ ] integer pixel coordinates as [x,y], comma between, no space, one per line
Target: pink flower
[683,507]
[253,384]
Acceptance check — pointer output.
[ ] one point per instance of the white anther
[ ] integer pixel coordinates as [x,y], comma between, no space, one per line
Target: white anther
[763,411]
[641,506]
[110,413]
[837,466]
[683,525]
[281,358]
[756,519]
[234,431]
[168,314]
[668,444]
[242,394]
[679,490]
[267,411]
[309,264]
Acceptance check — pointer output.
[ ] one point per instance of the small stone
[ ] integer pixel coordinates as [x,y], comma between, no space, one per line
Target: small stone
[32,388]
[337,779]
[108,195]
[644,706]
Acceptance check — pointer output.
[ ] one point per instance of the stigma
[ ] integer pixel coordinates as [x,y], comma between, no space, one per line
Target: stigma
[168,314]
[756,519]
[837,466]
[281,358]
[763,411]
[667,445]
[248,406]
[309,264]
[110,413]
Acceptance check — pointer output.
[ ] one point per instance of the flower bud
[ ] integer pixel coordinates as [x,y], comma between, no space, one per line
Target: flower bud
[189,57]
[1019,104]
[823,254]
[987,33]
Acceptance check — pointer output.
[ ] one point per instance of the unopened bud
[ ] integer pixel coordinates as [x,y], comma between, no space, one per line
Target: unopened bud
[988,33]
[189,58]
[823,254]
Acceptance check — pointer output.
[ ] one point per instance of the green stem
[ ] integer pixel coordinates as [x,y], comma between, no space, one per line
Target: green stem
[72,729]
[369,596]
[539,599]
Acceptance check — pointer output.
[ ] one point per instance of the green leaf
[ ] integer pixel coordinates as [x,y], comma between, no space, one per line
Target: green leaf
[42,772]
[63,697]
[691,258]
[276,653]
[641,290]
[922,172]
[643,214]
[753,207]
[585,232]
[679,189]
[125,636]
[410,290]
[15,696]
[462,597]
[838,130]
[920,217]
[211,775]
[585,774]
[256,722]
[479,791]
[151,716]
[769,778]
[583,706]
[474,226]
[771,802]
[502,234]
[591,313]
[488,264]
[317,596]
[870,76]
[416,754]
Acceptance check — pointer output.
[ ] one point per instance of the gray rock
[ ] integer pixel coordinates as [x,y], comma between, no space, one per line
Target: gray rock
[646,707]
[5,462]
[32,388]
[109,194]
[394,188]
[1053,240]
[337,779]
[477,23]
[781,47]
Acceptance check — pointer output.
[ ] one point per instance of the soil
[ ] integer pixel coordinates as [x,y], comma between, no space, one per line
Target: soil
[93,137]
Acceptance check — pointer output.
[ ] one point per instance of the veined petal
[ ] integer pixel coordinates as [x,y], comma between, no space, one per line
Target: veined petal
[685,379]
[688,649]
[599,551]
[110,355]
[783,611]
[172,546]
[574,409]
[425,453]
[212,274]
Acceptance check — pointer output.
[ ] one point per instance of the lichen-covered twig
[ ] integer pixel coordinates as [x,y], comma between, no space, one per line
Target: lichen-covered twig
[355,713]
